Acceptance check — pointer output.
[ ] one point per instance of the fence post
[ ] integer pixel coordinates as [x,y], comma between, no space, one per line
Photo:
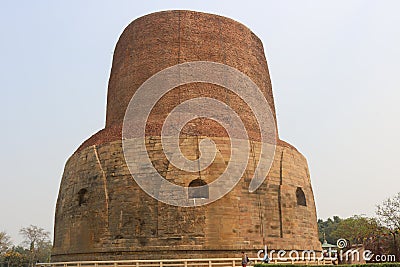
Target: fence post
[233,263]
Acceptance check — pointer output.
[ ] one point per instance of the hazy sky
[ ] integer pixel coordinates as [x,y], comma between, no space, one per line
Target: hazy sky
[334,67]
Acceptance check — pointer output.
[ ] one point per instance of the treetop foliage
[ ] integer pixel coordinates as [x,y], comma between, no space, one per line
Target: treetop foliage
[36,248]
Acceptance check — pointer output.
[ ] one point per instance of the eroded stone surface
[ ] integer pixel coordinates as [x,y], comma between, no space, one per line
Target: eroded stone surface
[118,216]
[102,214]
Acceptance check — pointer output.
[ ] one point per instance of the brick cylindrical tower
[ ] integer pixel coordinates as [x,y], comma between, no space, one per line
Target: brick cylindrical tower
[103,214]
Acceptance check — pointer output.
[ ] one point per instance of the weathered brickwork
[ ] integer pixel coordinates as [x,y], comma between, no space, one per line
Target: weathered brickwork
[160,40]
[102,214]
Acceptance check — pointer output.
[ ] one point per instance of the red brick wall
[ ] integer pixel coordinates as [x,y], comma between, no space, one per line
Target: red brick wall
[160,40]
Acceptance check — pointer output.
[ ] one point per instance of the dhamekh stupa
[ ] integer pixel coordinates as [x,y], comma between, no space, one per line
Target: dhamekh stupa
[103,214]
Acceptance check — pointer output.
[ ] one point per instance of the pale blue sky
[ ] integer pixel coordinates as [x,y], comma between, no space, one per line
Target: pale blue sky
[334,67]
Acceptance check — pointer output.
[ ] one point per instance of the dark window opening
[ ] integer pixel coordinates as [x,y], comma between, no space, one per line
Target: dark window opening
[301,197]
[198,189]
[82,196]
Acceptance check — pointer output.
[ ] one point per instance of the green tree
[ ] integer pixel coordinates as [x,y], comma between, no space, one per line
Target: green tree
[38,243]
[325,229]
[357,229]
[44,251]
[389,216]
[5,243]
[16,257]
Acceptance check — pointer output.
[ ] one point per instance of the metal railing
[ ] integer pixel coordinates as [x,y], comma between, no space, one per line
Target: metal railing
[220,262]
